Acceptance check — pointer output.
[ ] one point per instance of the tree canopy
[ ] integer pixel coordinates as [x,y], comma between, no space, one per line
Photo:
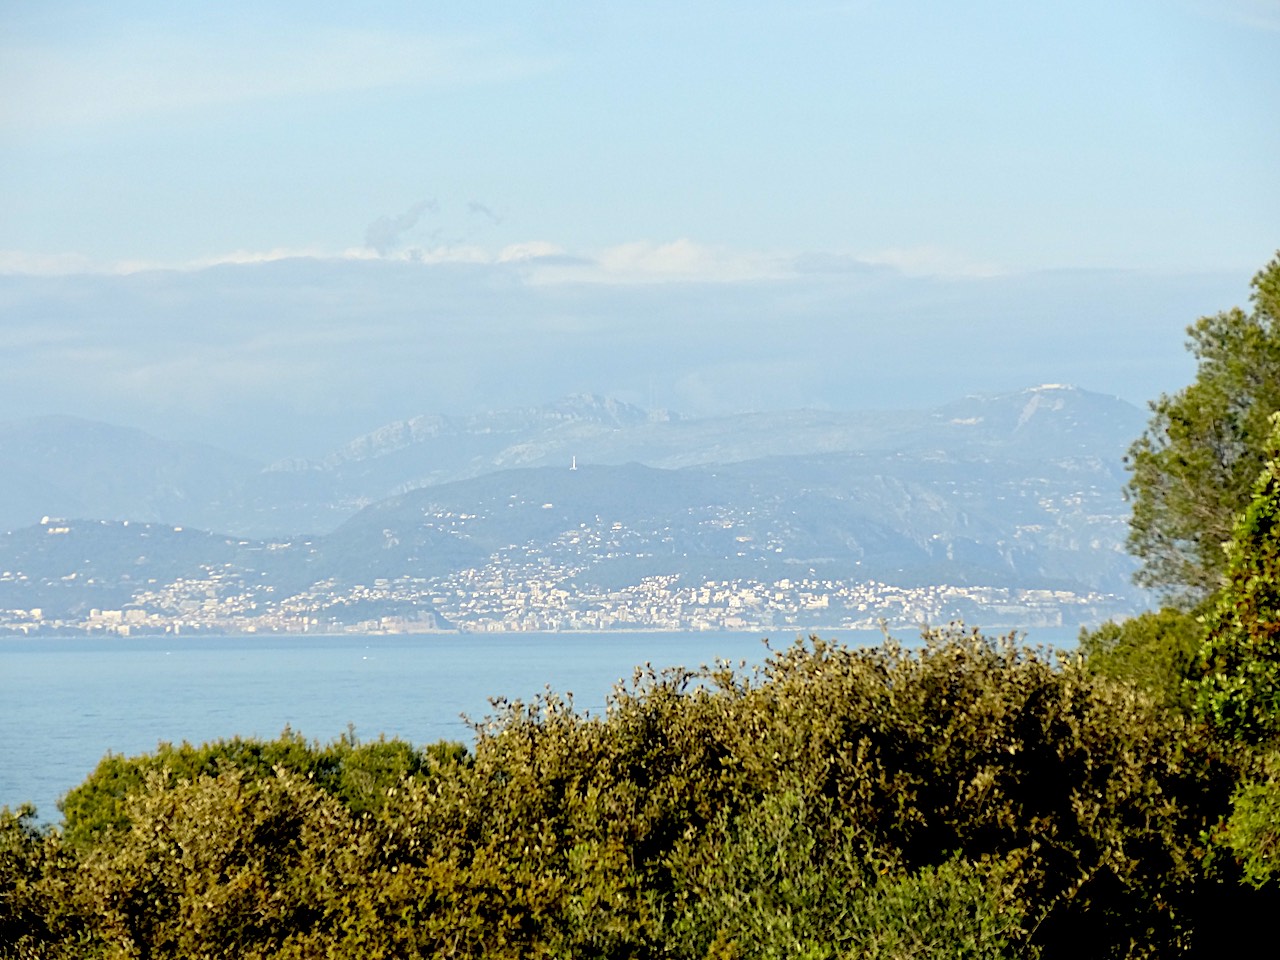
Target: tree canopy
[1193,468]
[1240,691]
[968,798]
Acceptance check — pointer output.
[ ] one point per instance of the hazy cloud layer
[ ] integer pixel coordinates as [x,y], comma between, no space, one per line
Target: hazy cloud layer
[299,355]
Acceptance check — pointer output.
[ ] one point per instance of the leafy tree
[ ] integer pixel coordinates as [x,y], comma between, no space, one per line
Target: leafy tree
[1252,833]
[1240,691]
[22,912]
[1193,467]
[1157,651]
[359,774]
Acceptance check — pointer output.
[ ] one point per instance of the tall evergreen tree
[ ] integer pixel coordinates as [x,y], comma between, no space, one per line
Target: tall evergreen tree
[1193,467]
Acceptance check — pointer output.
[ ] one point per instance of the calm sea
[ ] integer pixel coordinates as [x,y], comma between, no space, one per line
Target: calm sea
[66,703]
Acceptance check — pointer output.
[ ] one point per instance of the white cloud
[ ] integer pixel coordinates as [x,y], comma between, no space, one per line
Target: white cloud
[929,261]
[235,256]
[544,263]
[68,264]
[686,261]
[142,73]
[530,250]
[678,261]
[46,264]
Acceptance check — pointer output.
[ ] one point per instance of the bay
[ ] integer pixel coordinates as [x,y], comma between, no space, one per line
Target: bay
[66,703]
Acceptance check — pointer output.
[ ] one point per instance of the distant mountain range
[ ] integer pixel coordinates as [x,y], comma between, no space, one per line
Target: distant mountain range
[66,467]
[1019,491]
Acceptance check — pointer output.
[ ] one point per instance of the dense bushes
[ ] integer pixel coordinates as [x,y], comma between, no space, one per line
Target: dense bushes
[358,774]
[970,798]
[1158,651]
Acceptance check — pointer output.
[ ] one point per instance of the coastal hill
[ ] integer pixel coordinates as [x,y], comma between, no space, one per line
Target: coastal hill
[595,513]
[75,468]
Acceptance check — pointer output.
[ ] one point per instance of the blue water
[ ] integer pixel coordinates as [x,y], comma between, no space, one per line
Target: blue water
[66,703]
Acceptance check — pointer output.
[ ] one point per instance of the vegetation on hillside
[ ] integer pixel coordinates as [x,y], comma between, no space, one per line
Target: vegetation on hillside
[969,798]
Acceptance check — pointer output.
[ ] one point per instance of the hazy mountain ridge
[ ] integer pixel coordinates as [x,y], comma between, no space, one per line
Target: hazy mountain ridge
[67,467]
[1038,423]
[1021,491]
[578,410]
[293,357]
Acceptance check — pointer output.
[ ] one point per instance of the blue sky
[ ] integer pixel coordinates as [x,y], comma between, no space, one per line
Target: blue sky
[959,137]
[631,172]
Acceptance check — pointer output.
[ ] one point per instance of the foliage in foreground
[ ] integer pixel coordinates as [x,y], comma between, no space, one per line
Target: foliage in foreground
[356,773]
[1221,666]
[1157,651]
[1239,692]
[1194,466]
[1205,484]
[971,798]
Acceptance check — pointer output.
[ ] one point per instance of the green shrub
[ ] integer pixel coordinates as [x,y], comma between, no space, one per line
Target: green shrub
[1157,651]
[834,802]
[792,878]
[357,773]
[1239,693]
[24,907]
[993,751]
[1251,835]
[220,866]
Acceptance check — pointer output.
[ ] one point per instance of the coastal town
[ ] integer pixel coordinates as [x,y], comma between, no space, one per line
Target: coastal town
[489,601]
